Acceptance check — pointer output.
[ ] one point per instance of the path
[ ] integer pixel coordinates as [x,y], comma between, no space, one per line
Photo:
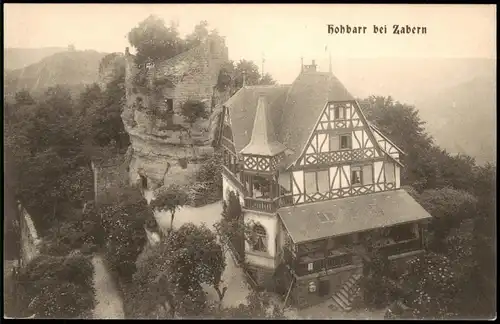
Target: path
[109,304]
[233,276]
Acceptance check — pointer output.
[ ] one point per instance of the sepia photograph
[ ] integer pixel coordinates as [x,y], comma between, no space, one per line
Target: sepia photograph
[249,161]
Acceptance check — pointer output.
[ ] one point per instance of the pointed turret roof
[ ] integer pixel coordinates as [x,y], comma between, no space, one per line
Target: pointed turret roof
[264,140]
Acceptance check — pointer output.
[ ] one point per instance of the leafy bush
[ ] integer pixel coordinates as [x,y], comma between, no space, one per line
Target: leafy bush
[59,287]
[171,273]
[208,182]
[192,110]
[123,222]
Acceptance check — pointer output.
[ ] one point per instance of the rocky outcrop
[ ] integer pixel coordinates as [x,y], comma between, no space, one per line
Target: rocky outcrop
[165,148]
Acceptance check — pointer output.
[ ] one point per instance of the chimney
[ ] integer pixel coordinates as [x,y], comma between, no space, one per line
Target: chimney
[313,66]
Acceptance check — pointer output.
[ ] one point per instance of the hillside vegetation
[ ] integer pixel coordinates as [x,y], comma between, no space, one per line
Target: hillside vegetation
[18,58]
[73,69]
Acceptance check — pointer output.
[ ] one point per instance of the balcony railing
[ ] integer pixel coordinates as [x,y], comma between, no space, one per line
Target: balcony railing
[268,205]
[318,264]
[402,247]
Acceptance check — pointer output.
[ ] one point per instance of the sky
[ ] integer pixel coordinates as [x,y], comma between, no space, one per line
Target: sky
[281,33]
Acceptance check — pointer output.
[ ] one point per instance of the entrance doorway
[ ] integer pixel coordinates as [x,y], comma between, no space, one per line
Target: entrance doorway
[324,288]
[144,182]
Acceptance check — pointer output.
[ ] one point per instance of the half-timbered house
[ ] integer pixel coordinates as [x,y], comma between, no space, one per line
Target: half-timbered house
[318,183]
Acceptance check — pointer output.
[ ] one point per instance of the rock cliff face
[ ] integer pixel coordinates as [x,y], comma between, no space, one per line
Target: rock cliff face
[165,148]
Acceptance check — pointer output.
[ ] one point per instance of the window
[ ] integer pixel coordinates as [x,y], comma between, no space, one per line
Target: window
[340,112]
[316,181]
[260,238]
[310,266]
[356,175]
[170,104]
[345,142]
[312,287]
[389,171]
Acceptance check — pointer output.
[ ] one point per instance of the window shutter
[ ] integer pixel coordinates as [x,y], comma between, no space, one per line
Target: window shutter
[334,143]
[367,174]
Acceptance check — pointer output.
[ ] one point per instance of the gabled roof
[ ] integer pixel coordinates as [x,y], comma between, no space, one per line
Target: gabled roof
[309,222]
[293,112]
[375,129]
[306,99]
[264,140]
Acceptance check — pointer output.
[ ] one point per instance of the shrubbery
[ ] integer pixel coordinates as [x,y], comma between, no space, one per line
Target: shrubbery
[58,287]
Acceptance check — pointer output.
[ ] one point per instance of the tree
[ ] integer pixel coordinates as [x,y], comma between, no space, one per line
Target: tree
[58,287]
[123,222]
[171,199]
[154,41]
[449,207]
[251,72]
[46,155]
[199,35]
[192,110]
[232,229]
[172,272]
[267,79]
[224,79]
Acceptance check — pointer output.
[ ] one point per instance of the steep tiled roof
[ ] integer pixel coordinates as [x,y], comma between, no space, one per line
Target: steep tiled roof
[314,221]
[293,111]
[306,99]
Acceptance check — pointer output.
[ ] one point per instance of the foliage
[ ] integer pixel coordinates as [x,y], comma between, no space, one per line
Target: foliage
[44,149]
[377,283]
[199,34]
[225,76]
[232,229]
[171,199]
[81,231]
[192,110]
[123,222]
[430,286]
[208,182]
[449,207]
[267,79]
[58,287]
[173,271]
[259,306]
[154,41]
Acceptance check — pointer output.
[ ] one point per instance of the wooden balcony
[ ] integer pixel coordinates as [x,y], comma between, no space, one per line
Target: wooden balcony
[301,266]
[234,179]
[402,247]
[268,205]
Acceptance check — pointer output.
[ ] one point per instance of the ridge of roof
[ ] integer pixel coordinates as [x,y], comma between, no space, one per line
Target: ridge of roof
[313,90]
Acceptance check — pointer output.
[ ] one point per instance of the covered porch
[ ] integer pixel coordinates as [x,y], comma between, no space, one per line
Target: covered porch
[331,239]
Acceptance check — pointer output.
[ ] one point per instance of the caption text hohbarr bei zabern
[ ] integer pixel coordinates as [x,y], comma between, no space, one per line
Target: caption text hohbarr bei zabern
[377,29]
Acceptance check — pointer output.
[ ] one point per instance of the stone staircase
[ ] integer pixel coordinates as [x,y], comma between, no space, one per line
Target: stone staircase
[343,299]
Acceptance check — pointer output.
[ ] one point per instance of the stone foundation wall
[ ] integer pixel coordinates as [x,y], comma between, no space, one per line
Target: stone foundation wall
[302,297]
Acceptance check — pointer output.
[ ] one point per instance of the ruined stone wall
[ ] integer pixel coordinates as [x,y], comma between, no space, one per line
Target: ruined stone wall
[110,69]
[166,149]
[30,242]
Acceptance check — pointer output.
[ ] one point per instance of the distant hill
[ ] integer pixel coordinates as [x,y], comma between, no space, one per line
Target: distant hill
[18,58]
[462,119]
[73,69]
